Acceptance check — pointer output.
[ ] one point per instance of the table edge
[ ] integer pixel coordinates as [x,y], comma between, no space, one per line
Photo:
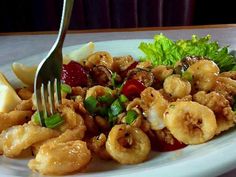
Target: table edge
[123,29]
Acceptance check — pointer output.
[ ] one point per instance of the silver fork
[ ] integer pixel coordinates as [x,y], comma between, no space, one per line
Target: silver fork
[48,75]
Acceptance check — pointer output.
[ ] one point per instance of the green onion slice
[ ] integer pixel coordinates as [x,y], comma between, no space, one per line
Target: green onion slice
[66,88]
[116,108]
[90,104]
[113,79]
[107,98]
[130,116]
[36,118]
[123,98]
[54,121]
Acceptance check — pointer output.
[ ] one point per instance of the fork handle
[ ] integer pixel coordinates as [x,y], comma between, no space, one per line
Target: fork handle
[65,21]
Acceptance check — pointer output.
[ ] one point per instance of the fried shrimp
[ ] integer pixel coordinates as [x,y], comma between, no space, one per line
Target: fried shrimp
[154,105]
[97,91]
[225,117]
[225,86]
[72,120]
[176,86]
[127,144]
[13,118]
[97,145]
[68,135]
[20,137]
[61,158]
[204,74]
[190,122]
[99,58]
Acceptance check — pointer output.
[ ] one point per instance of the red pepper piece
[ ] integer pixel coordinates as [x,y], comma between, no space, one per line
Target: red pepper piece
[132,88]
[74,74]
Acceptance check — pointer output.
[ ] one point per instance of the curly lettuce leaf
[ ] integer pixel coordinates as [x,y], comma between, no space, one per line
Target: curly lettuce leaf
[164,51]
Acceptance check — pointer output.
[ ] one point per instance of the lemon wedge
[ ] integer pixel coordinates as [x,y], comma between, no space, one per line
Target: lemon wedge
[9,98]
[80,54]
[25,73]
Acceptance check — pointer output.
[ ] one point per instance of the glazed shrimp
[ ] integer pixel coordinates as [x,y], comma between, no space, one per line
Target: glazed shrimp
[176,86]
[204,74]
[225,85]
[127,144]
[13,118]
[97,91]
[20,137]
[225,117]
[190,122]
[61,158]
[154,105]
[99,58]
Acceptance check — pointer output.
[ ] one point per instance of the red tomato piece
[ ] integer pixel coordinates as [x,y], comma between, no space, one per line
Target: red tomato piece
[74,74]
[132,88]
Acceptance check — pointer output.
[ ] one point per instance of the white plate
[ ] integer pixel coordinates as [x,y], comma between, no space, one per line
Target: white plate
[209,159]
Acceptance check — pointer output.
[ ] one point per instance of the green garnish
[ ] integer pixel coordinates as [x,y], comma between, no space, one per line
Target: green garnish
[90,104]
[123,98]
[36,118]
[113,79]
[116,108]
[53,121]
[66,88]
[107,98]
[130,116]
[187,75]
[164,51]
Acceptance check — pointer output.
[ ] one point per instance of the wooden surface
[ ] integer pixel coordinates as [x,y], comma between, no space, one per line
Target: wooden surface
[15,46]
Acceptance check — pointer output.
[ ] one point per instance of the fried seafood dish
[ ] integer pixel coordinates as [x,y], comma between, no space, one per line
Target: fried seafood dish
[115,107]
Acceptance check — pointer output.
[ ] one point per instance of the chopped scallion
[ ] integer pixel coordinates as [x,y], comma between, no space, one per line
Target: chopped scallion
[90,104]
[36,118]
[66,88]
[123,98]
[107,98]
[130,116]
[116,108]
[113,79]
[54,121]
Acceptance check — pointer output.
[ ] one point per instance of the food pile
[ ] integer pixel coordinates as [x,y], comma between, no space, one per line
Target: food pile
[180,93]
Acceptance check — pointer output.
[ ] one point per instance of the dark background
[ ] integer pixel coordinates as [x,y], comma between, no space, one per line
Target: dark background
[44,15]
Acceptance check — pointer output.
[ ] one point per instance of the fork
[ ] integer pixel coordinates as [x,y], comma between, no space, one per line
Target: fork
[47,83]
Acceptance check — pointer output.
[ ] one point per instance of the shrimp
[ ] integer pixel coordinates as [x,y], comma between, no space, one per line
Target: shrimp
[225,117]
[13,118]
[25,105]
[99,58]
[122,63]
[97,91]
[72,120]
[190,122]
[20,137]
[204,74]
[127,144]
[226,87]
[154,105]
[161,72]
[176,86]
[97,145]
[69,135]
[229,74]
[61,158]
